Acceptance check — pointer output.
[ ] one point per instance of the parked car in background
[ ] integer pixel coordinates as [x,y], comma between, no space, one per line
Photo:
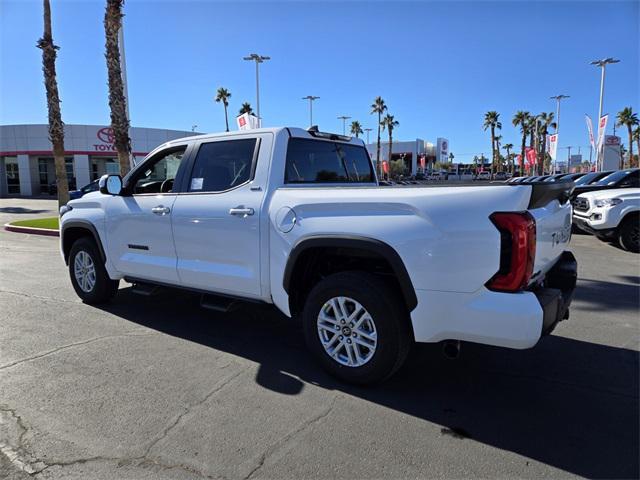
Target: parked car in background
[611,215]
[517,179]
[500,176]
[485,175]
[91,187]
[629,178]
[572,177]
[592,177]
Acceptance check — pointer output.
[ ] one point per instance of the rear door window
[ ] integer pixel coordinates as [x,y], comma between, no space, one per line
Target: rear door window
[318,161]
[223,165]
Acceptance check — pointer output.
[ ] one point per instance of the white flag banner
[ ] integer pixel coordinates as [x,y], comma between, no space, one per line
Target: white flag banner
[602,127]
[590,129]
[553,146]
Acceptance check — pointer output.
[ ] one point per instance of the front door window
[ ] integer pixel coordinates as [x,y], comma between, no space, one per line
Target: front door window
[158,175]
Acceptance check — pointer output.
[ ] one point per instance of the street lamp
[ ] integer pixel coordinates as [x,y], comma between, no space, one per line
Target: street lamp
[344,119]
[603,66]
[368,130]
[254,57]
[311,98]
[557,98]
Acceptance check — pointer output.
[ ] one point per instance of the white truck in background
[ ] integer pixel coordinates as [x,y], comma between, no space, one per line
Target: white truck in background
[611,215]
[297,218]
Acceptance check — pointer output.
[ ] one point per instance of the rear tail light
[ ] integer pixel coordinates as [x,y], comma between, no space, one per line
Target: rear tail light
[517,251]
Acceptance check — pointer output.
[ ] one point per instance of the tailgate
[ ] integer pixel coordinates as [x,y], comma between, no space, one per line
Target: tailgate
[552,211]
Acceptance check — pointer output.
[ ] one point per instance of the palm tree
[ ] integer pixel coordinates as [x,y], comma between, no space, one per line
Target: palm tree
[491,121]
[545,120]
[626,118]
[246,108]
[389,122]
[508,147]
[117,102]
[56,127]
[356,128]
[451,157]
[531,129]
[499,159]
[636,137]
[378,107]
[521,119]
[223,96]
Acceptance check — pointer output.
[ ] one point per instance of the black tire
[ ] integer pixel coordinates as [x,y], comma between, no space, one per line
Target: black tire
[104,288]
[389,314]
[629,234]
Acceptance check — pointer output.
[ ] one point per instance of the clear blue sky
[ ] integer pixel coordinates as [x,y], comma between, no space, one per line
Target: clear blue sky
[438,65]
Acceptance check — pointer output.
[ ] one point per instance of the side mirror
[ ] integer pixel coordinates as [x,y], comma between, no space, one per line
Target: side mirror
[110,184]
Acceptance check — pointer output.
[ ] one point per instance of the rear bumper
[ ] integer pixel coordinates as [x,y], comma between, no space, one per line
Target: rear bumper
[557,292]
[512,320]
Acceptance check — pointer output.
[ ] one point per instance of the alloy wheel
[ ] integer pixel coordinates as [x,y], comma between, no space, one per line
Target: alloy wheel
[347,331]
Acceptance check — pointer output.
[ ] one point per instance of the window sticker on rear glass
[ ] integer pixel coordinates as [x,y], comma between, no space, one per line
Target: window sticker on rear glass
[196,183]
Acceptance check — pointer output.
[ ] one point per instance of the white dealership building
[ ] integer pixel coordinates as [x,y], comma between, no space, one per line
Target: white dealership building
[412,151]
[26,158]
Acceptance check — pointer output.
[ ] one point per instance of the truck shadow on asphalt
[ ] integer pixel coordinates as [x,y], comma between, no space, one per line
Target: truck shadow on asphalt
[566,403]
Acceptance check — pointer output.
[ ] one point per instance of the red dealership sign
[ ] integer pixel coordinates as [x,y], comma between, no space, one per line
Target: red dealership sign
[106,136]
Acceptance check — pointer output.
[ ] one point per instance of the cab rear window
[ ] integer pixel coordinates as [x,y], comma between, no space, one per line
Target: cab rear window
[319,161]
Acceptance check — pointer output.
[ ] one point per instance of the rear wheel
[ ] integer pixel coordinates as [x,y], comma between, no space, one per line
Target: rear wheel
[629,234]
[357,327]
[89,276]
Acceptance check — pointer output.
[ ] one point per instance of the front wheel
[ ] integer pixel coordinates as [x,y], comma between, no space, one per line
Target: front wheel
[357,327]
[629,234]
[89,276]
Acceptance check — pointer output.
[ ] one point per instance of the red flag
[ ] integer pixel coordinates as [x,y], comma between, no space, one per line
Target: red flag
[531,156]
[385,166]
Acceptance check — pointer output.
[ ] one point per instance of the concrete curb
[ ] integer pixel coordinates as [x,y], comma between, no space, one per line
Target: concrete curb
[32,230]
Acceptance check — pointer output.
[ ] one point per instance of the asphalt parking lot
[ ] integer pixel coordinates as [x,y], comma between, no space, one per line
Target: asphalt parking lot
[156,387]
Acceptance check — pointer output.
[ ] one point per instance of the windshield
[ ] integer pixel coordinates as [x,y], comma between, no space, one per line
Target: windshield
[613,178]
[589,177]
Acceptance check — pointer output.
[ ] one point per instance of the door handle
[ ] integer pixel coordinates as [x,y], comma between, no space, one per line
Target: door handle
[241,211]
[160,210]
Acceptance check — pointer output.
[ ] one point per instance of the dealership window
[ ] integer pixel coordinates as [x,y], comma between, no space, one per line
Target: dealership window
[47,175]
[101,166]
[43,174]
[13,175]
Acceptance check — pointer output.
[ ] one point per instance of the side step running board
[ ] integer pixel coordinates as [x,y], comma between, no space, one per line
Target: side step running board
[218,303]
[146,289]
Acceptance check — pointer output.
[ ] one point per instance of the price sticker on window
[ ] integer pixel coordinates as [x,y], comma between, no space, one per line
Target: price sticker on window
[196,183]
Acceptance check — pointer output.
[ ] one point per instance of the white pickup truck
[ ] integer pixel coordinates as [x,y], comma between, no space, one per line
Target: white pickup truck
[296,218]
[611,215]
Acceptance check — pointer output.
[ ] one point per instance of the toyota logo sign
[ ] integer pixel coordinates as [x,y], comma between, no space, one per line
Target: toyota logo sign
[106,135]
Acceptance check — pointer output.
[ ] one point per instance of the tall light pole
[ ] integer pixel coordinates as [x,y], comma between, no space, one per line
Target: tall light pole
[558,98]
[603,67]
[344,119]
[254,57]
[368,130]
[311,98]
